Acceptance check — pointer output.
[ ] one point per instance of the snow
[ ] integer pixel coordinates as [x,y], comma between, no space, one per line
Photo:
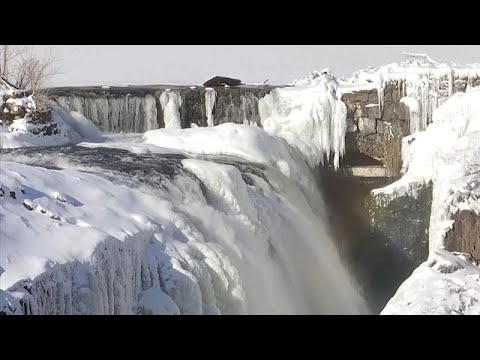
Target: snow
[447,154]
[448,286]
[155,302]
[310,116]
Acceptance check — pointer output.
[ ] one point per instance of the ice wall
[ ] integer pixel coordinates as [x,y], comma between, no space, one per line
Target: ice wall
[309,116]
[171,102]
[115,114]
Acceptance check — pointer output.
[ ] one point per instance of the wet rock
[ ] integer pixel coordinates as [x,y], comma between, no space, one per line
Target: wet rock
[403,222]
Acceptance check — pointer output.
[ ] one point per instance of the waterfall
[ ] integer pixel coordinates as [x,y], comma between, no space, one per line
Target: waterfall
[214,238]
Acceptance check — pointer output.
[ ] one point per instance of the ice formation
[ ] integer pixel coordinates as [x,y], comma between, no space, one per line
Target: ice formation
[213,239]
[123,114]
[420,78]
[447,154]
[244,142]
[309,116]
[210,98]
[171,102]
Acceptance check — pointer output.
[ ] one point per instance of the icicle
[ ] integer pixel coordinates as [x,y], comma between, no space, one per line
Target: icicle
[210,98]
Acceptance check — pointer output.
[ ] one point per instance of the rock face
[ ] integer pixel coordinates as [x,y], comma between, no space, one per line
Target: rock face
[465,234]
[222,81]
[403,221]
[374,130]
[382,243]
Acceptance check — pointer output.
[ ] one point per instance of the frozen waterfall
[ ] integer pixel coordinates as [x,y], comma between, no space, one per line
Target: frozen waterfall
[129,114]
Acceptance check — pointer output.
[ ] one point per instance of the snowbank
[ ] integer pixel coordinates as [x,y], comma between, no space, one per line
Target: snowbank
[309,116]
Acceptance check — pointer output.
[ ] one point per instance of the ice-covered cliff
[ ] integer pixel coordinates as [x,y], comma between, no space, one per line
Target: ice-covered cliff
[423,83]
[309,116]
[448,155]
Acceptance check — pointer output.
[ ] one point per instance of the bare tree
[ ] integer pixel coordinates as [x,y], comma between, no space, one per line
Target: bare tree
[23,68]
[8,58]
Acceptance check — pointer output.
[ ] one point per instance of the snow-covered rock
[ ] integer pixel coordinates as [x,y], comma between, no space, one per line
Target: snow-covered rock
[449,285]
[448,155]
[63,128]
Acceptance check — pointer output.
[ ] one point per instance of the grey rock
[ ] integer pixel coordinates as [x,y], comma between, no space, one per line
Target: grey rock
[367,125]
[373,111]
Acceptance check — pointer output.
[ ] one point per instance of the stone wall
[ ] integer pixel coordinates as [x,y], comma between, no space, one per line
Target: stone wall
[375,128]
